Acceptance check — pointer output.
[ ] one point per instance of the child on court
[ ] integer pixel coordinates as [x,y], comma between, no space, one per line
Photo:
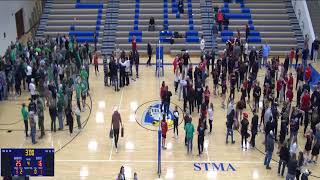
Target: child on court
[164,129]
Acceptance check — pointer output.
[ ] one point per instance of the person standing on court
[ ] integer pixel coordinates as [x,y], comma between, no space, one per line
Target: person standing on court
[292,167]
[244,130]
[265,53]
[187,119]
[230,121]
[175,122]
[284,158]
[69,117]
[134,43]
[164,130]
[269,149]
[167,100]
[149,50]
[136,62]
[25,116]
[189,128]
[254,129]
[40,112]
[33,126]
[53,110]
[201,130]
[315,46]
[210,115]
[115,125]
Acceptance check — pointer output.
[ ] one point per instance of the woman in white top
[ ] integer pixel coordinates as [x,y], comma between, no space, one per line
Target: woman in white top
[202,44]
[210,115]
[177,77]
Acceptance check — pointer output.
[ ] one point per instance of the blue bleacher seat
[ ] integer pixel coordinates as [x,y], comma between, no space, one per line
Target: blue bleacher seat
[135,33]
[238,16]
[82,33]
[191,33]
[88,5]
[245,10]
[226,33]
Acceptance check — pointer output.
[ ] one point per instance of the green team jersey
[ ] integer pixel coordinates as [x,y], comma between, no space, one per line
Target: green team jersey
[13,55]
[84,74]
[78,90]
[25,114]
[189,128]
[84,87]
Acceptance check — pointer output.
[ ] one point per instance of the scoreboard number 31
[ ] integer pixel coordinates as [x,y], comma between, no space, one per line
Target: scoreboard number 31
[29,152]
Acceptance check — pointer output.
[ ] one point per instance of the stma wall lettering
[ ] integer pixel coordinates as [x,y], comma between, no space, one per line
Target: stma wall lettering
[215,166]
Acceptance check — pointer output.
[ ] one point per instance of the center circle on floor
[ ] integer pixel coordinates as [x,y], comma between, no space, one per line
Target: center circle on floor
[149,114]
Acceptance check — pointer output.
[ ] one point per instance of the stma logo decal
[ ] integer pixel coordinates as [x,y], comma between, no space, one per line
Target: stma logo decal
[214,166]
[153,115]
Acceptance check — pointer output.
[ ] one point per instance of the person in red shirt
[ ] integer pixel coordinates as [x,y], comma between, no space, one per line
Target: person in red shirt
[95,62]
[307,74]
[206,97]
[175,63]
[279,87]
[305,105]
[289,95]
[290,82]
[134,43]
[220,19]
[164,129]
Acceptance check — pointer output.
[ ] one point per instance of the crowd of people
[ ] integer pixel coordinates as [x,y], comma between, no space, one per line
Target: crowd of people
[50,70]
[236,69]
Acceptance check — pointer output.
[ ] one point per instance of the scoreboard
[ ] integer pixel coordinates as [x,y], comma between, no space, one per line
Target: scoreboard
[27,162]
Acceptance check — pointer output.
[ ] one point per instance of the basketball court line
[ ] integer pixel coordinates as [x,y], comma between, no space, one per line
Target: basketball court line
[155,161]
[119,109]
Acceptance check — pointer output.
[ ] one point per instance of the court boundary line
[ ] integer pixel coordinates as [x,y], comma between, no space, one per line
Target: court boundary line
[154,161]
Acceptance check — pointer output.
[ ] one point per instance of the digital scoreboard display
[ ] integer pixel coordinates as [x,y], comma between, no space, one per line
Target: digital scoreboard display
[27,162]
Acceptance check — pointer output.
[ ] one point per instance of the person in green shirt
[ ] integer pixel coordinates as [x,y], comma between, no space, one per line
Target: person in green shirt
[189,128]
[84,92]
[25,116]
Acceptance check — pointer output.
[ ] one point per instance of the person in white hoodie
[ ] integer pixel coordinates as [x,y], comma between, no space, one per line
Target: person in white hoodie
[126,64]
[202,44]
[246,51]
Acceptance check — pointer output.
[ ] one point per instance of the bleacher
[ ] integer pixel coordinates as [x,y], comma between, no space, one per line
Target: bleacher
[268,22]
[134,18]
[79,18]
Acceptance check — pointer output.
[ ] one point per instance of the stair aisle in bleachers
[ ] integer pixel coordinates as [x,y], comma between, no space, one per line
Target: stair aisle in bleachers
[110,27]
[44,18]
[81,19]
[207,24]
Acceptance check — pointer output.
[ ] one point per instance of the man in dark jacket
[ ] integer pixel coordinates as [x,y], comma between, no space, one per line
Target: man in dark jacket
[269,149]
[284,158]
[292,167]
[229,123]
[315,46]
[114,74]
[149,50]
[254,129]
